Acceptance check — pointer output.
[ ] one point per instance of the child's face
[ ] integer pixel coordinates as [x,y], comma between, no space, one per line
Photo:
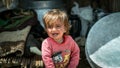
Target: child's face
[56,30]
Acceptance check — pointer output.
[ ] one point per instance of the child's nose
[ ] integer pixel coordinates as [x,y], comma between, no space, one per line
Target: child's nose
[53,28]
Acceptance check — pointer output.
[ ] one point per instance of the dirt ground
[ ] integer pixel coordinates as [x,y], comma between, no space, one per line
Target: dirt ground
[83,63]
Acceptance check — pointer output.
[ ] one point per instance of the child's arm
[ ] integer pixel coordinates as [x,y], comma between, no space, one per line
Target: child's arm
[46,55]
[75,56]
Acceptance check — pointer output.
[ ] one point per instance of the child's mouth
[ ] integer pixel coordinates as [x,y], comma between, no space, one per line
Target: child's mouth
[55,34]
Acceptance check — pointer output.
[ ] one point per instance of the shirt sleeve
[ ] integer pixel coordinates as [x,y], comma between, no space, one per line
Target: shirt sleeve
[75,56]
[47,55]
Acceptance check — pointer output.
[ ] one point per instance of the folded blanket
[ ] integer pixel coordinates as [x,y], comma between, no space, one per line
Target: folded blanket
[13,41]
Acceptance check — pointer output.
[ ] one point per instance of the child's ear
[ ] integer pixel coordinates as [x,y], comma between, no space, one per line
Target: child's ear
[64,31]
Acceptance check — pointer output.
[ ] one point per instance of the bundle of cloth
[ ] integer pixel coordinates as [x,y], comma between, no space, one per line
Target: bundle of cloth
[13,41]
[15,28]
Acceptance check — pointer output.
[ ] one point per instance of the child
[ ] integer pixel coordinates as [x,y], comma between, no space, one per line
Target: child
[59,50]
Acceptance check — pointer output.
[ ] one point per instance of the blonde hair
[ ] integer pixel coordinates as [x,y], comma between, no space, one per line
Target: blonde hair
[56,14]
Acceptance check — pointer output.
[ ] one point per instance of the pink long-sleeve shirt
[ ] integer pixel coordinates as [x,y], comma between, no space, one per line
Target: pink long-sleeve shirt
[64,55]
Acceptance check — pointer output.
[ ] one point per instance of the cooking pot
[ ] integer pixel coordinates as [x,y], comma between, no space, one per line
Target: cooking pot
[41,4]
[102,32]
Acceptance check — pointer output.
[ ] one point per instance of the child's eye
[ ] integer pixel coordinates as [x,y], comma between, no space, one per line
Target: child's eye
[58,26]
[49,27]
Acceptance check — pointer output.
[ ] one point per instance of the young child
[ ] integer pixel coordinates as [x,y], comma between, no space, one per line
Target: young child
[59,50]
